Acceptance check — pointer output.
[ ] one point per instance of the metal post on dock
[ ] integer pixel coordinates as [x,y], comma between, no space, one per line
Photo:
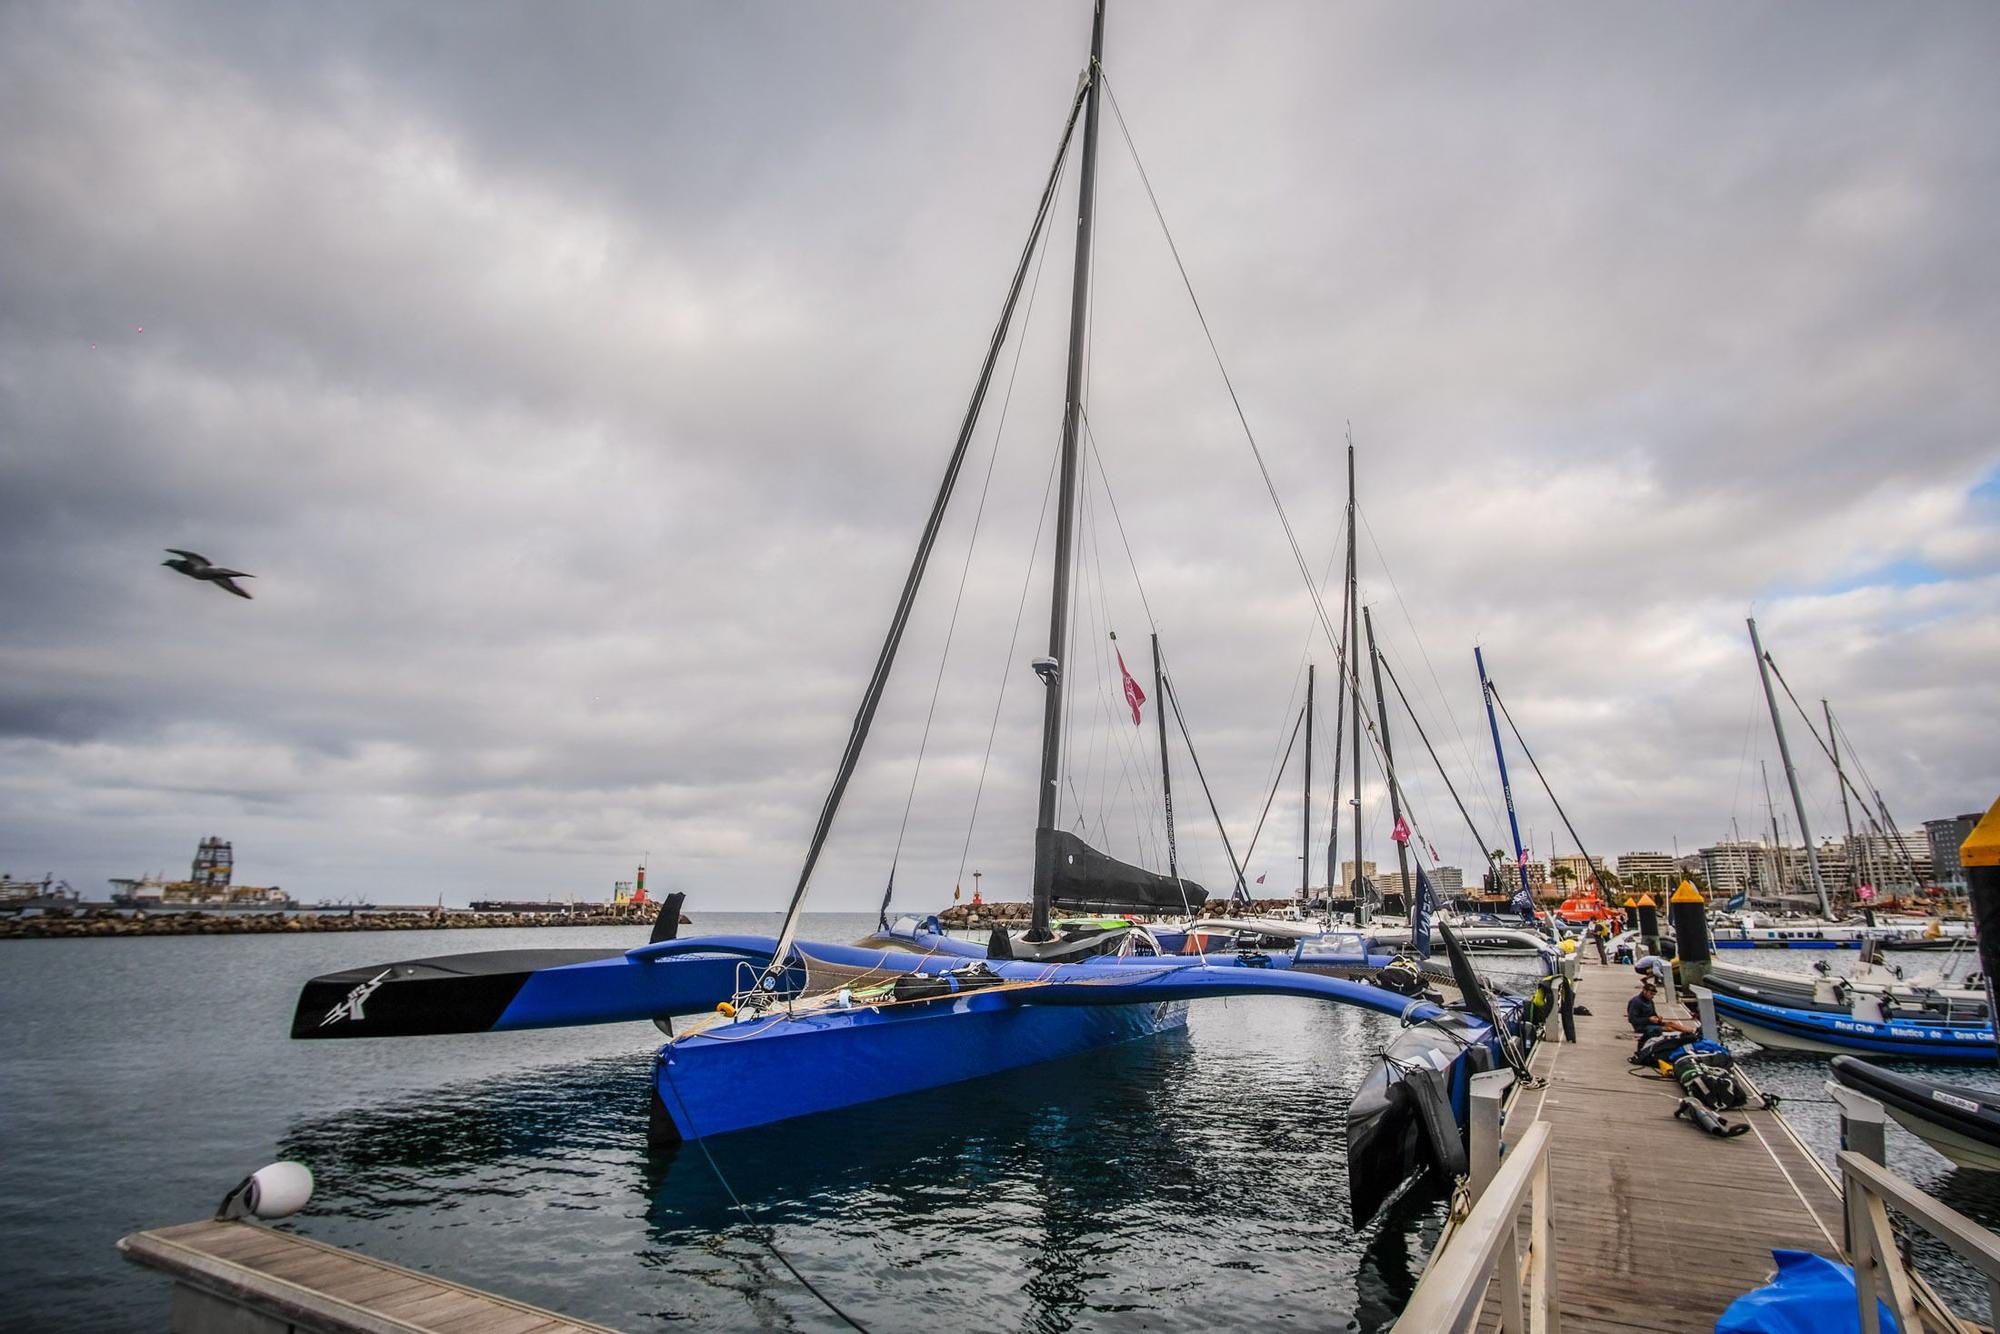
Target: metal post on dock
[1863,1130]
[1704,1005]
[1863,1122]
[1489,1094]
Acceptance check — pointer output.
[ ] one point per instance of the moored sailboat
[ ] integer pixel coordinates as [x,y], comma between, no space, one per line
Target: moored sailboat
[804,1027]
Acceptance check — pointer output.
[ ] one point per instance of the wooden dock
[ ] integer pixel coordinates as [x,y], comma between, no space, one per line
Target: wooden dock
[239,1278]
[1658,1227]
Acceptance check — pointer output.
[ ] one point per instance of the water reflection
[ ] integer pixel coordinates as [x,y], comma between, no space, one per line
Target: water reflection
[1168,1184]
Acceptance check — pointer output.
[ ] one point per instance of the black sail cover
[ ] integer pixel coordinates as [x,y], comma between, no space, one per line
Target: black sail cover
[1087,880]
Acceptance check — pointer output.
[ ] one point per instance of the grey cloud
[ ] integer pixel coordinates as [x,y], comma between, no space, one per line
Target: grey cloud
[575,386]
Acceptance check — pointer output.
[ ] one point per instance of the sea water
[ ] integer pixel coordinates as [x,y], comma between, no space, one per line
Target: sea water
[1175,1183]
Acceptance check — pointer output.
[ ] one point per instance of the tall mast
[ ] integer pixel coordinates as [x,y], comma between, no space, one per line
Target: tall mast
[1166,774]
[1079,323]
[1361,913]
[1840,781]
[1506,788]
[1306,812]
[1339,735]
[1771,816]
[1791,774]
[1389,763]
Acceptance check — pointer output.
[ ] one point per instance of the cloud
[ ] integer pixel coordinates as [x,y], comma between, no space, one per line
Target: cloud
[575,389]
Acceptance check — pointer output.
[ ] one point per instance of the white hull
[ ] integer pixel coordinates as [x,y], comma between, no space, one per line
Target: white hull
[1961,1150]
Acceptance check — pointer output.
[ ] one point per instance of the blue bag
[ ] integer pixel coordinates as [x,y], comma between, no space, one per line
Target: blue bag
[1809,1295]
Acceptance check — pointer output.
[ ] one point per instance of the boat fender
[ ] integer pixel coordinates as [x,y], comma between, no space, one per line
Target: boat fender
[1430,1093]
[276,1191]
[725,1009]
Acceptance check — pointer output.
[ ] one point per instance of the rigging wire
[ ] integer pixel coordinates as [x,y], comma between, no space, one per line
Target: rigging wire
[1465,750]
[1270,485]
[885,659]
[1249,436]
[1251,851]
[1006,674]
[1485,853]
[1855,760]
[965,571]
[1545,782]
[769,1235]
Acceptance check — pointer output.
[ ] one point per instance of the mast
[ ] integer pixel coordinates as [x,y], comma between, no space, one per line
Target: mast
[1506,788]
[1771,814]
[1389,763]
[1166,774]
[1339,731]
[1361,913]
[1791,774]
[1306,812]
[1846,814]
[1052,669]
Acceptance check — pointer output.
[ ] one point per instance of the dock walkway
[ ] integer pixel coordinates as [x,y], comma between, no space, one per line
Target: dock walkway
[1658,1226]
[245,1279]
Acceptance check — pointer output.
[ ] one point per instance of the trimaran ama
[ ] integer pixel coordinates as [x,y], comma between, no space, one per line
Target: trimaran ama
[816,1026]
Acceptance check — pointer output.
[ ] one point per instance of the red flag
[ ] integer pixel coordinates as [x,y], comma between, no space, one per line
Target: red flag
[1401,833]
[1524,856]
[1260,879]
[1133,695]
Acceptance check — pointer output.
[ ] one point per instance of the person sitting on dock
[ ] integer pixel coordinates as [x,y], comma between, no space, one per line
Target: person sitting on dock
[1645,1019]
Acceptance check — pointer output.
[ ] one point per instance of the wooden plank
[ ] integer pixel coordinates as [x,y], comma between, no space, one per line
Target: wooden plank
[1657,1226]
[316,1287]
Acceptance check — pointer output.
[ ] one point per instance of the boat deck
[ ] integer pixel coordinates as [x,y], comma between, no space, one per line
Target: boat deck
[247,1279]
[1658,1226]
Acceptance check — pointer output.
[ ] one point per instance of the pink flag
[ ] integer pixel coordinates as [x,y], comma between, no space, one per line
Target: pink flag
[1865,893]
[1401,833]
[1524,856]
[1260,879]
[1133,695]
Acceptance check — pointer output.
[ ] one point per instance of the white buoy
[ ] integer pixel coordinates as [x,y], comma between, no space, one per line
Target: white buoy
[277,1191]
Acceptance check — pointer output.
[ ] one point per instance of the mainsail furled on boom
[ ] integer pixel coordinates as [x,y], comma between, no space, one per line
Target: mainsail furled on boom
[1090,880]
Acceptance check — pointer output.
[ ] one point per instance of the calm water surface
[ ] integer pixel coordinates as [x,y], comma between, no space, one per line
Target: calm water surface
[1171,1184]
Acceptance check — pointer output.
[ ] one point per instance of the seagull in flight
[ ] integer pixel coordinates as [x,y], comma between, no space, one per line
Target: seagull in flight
[198,567]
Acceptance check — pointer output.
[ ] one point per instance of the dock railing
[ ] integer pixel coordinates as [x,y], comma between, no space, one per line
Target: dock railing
[1872,1190]
[1487,1246]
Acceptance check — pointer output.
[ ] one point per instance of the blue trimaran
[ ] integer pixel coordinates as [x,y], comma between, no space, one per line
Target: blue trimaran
[812,1027]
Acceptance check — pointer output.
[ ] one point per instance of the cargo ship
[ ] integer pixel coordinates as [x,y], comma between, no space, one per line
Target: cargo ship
[207,888]
[628,897]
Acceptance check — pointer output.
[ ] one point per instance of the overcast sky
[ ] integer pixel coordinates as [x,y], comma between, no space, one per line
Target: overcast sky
[574,382]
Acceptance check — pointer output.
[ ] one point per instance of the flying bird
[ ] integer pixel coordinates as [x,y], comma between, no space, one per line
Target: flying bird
[198,567]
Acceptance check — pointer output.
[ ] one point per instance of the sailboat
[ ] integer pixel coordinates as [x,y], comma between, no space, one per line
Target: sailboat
[801,1027]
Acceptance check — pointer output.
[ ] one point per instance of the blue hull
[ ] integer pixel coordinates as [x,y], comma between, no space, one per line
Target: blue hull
[760,1071]
[1813,1030]
[1785,944]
